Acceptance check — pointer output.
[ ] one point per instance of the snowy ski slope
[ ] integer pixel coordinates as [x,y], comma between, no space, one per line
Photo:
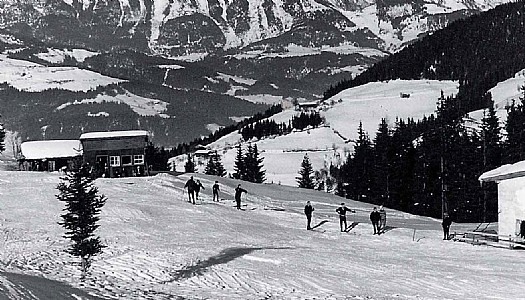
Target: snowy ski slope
[161,247]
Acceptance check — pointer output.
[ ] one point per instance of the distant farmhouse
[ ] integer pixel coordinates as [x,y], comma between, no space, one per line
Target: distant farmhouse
[116,153]
[48,155]
[307,106]
[511,199]
[202,155]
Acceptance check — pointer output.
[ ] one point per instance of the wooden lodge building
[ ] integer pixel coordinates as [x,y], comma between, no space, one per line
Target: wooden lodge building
[49,156]
[116,153]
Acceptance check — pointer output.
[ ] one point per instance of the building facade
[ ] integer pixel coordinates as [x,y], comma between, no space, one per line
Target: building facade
[116,153]
[511,198]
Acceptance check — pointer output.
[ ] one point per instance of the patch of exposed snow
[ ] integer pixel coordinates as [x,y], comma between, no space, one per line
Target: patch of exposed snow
[238,79]
[213,127]
[171,67]
[99,114]
[262,98]
[33,77]
[140,105]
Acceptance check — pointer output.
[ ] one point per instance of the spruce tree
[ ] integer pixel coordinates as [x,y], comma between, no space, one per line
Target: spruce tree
[492,158]
[515,128]
[83,205]
[491,137]
[362,166]
[189,167]
[381,168]
[239,167]
[2,137]
[219,167]
[305,178]
[253,165]
[215,166]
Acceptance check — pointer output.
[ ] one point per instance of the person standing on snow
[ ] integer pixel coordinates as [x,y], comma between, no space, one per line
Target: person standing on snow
[382,219]
[446,226]
[198,187]
[375,217]
[190,185]
[215,190]
[342,216]
[308,210]
[238,193]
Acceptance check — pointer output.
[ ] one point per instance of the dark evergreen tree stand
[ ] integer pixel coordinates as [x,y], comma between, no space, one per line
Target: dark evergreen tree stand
[189,167]
[215,166]
[305,178]
[83,205]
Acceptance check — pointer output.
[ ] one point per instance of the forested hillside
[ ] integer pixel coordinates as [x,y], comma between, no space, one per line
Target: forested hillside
[478,51]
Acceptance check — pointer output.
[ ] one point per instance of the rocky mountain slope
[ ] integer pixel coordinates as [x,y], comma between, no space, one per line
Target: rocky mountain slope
[191,26]
[159,52]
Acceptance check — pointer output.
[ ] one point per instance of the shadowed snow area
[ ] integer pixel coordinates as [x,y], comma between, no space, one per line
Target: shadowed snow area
[162,247]
[20,286]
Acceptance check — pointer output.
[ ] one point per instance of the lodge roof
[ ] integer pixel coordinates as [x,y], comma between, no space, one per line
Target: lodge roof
[50,149]
[112,134]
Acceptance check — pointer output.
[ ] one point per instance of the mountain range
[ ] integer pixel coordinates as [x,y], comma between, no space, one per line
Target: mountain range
[181,69]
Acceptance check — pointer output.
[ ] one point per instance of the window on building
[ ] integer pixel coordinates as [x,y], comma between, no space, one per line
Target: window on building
[114,161]
[126,160]
[138,159]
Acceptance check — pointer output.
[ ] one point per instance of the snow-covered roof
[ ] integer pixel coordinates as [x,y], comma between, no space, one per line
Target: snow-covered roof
[50,149]
[113,134]
[203,152]
[504,172]
[312,103]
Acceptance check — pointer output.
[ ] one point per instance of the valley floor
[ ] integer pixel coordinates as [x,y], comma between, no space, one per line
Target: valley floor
[162,247]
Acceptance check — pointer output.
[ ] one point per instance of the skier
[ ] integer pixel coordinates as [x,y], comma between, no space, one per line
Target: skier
[342,216]
[190,185]
[308,209]
[215,189]
[375,217]
[382,219]
[446,226]
[238,192]
[198,187]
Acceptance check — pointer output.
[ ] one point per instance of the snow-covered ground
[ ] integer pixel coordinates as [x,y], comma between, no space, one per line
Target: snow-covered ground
[368,104]
[503,94]
[161,247]
[32,77]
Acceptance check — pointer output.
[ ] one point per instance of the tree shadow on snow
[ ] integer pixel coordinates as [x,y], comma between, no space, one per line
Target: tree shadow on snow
[223,257]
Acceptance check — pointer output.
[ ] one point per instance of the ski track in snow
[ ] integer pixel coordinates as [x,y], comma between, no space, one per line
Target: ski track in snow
[161,247]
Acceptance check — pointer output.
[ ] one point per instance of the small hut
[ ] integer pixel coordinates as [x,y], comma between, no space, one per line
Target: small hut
[511,198]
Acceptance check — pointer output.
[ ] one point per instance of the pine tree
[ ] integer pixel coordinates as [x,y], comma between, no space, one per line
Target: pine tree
[2,137]
[215,166]
[491,137]
[515,128]
[239,167]
[305,178]
[492,158]
[381,168]
[362,166]
[253,165]
[83,205]
[210,167]
[189,167]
